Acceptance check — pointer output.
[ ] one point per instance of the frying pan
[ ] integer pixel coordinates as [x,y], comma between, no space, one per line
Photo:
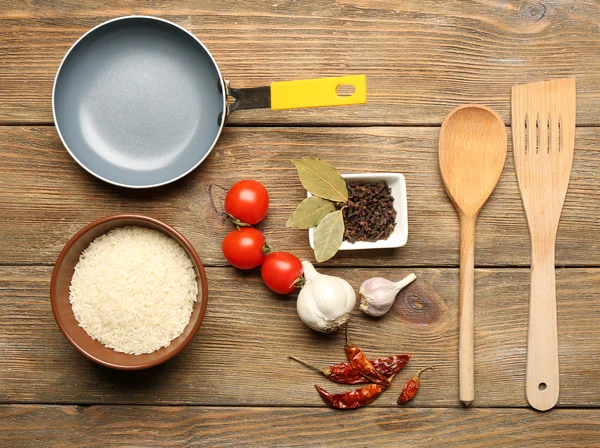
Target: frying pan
[140,102]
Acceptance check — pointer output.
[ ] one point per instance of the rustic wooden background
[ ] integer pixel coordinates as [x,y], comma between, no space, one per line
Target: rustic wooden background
[233,386]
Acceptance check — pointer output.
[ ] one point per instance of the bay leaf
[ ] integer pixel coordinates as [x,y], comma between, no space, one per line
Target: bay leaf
[321,179]
[329,235]
[310,212]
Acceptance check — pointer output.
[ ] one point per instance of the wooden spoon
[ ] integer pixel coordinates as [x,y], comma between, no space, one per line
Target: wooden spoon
[472,152]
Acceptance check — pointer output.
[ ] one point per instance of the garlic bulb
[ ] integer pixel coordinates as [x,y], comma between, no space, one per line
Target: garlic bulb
[377,295]
[324,302]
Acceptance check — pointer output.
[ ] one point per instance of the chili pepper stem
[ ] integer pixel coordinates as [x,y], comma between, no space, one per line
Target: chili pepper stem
[309,365]
[347,339]
[421,371]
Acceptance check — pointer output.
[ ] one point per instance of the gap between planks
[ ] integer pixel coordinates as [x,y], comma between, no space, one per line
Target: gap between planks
[400,266]
[300,124]
[164,404]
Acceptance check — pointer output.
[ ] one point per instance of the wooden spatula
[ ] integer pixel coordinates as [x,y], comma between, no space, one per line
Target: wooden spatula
[543,129]
[472,150]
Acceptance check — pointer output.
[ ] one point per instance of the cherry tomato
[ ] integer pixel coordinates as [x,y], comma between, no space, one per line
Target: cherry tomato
[243,248]
[280,270]
[247,201]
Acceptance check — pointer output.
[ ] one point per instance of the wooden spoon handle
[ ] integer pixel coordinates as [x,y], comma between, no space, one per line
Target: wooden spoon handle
[466,306]
[542,380]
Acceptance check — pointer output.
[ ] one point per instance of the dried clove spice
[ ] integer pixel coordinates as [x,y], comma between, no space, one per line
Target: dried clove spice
[369,214]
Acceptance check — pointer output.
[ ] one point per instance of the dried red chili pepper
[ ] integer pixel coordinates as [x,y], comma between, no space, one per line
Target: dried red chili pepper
[352,399]
[360,363]
[344,373]
[389,366]
[411,388]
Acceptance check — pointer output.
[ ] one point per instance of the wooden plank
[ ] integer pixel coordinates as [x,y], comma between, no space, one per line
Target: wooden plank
[45,197]
[57,426]
[422,57]
[240,354]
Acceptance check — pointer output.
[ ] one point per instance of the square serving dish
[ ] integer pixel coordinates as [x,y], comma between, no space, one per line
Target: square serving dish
[399,236]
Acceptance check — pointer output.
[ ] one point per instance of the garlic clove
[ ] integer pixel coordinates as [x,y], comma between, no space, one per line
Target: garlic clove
[377,295]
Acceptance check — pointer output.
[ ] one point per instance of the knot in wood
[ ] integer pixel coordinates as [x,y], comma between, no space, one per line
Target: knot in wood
[80,408]
[415,305]
[535,12]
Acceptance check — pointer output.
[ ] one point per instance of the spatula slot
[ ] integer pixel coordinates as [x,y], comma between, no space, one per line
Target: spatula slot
[537,135]
[560,136]
[526,134]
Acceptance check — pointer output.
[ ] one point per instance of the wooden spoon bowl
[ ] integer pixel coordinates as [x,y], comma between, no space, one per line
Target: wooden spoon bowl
[472,152]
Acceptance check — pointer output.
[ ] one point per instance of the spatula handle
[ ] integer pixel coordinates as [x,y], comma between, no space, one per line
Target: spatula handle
[542,381]
[466,307]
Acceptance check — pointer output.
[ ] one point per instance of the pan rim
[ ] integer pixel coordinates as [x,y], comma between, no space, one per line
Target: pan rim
[120,184]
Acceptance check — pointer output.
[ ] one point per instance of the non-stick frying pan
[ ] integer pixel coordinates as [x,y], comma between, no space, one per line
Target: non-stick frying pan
[140,102]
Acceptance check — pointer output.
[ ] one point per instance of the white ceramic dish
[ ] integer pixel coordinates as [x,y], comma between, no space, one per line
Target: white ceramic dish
[399,236]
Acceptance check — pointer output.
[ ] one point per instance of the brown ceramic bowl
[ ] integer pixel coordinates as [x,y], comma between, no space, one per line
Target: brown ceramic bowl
[61,281]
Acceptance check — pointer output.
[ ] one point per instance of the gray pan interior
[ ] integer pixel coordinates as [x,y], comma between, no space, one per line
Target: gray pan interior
[138,102]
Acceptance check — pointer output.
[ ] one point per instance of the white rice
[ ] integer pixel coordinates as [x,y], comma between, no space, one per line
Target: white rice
[133,290]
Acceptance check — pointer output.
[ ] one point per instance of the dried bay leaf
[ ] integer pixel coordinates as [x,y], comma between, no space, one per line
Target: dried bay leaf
[310,212]
[329,235]
[321,179]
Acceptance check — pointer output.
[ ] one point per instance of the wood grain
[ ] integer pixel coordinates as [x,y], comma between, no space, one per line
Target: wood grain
[99,426]
[45,197]
[421,57]
[240,353]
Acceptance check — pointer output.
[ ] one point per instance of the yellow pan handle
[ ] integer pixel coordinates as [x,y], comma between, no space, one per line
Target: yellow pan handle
[317,92]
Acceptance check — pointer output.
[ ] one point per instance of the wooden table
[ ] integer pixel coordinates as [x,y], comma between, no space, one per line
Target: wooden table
[233,385]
